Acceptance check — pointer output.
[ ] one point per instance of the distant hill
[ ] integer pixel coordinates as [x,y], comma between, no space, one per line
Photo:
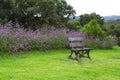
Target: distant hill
[106,18]
[113,17]
[72,20]
[112,22]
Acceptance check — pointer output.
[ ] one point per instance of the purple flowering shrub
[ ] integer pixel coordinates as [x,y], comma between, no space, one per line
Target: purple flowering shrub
[13,40]
[17,38]
[21,39]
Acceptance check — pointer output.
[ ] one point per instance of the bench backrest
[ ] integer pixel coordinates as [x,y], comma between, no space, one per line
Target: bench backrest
[76,42]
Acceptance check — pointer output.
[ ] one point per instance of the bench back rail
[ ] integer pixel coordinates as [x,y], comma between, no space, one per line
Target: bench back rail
[76,42]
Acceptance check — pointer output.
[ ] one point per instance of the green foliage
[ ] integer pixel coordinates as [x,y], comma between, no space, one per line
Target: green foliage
[86,18]
[93,29]
[112,22]
[112,27]
[6,7]
[118,41]
[113,30]
[32,13]
[104,43]
[74,25]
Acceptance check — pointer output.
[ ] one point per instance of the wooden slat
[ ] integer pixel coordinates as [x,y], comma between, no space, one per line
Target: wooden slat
[76,42]
[75,39]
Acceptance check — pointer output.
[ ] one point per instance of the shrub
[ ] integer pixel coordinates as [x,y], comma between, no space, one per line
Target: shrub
[113,30]
[21,39]
[118,41]
[105,43]
[74,25]
[93,29]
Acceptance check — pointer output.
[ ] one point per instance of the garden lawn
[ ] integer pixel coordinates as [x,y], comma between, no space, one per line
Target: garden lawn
[54,65]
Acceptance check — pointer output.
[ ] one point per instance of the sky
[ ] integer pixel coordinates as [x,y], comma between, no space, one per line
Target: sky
[101,7]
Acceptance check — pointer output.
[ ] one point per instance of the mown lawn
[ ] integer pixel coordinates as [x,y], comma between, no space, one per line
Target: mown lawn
[54,65]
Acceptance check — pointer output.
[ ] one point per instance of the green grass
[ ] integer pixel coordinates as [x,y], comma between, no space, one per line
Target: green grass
[54,65]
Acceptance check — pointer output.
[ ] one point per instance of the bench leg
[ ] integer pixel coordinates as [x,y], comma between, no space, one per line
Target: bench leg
[88,53]
[70,56]
[76,55]
[80,54]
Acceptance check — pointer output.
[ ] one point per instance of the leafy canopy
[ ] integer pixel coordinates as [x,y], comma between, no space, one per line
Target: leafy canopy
[36,12]
[93,29]
[86,18]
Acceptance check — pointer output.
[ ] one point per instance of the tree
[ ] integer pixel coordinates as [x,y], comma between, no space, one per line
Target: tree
[74,25]
[93,29]
[86,18]
[37,12]
[6,7]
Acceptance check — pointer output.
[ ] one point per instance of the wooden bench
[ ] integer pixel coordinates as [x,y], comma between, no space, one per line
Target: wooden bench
[77,46]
